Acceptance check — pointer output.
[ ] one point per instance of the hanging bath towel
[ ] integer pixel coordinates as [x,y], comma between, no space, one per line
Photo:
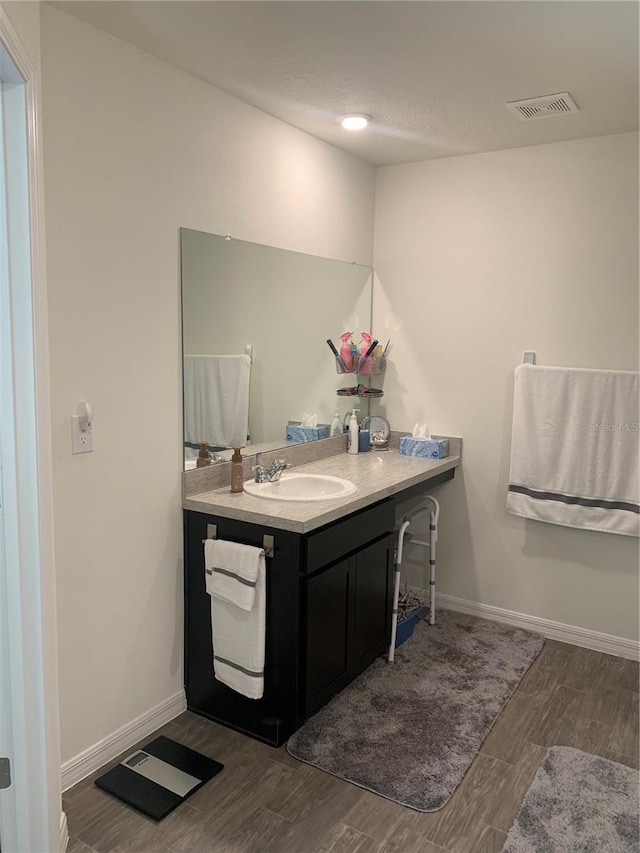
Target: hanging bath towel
[216,399]
[235,578]
[574,448]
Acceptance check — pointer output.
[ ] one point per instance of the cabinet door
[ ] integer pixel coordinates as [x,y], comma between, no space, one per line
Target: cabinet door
[329,610]
[373,602]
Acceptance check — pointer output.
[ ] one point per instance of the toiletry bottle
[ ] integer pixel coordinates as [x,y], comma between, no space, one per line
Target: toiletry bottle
[355,357]
[237,474]
[363,363]
[352,438]
[204,457]
[336,424]
[346,350]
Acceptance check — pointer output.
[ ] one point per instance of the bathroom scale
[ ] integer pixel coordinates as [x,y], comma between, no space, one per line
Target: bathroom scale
[158,777]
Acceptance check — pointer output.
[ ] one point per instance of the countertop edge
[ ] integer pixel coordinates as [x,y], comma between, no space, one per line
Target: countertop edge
[253,516]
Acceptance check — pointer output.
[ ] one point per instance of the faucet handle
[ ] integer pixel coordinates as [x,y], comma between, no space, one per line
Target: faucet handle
[262,475]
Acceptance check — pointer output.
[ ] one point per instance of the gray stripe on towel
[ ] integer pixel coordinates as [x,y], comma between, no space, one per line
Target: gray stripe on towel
[572,499]
[233,575]
[238,667]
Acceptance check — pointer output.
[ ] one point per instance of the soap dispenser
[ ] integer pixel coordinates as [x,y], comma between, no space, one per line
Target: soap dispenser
[352,438]
[237,473]
[204,457]
[336,424]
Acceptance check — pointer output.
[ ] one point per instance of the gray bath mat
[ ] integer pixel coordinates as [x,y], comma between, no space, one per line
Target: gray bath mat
[410,730]
[578,803]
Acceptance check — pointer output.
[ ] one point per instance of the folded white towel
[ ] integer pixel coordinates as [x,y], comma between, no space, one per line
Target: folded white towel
[238,628]
[232,571]
[574,448]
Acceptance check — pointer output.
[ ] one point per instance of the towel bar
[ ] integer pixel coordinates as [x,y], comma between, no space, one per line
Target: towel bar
[268,541]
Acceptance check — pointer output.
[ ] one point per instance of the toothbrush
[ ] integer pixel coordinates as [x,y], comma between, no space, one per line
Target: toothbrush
[337,355]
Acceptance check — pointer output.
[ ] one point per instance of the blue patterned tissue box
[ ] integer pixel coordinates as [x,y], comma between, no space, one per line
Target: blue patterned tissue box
[431,448]
[298,433]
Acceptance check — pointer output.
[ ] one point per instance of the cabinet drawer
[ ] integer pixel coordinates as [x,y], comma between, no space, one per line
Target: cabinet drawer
[337,540]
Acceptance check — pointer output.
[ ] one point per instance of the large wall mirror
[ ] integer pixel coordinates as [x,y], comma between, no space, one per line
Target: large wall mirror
[255,321]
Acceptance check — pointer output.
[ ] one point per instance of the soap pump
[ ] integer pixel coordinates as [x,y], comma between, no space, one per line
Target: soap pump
[204,457]
[336,424]
[237,473]
[352,437]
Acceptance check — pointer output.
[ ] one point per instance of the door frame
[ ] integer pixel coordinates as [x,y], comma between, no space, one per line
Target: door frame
[38,820]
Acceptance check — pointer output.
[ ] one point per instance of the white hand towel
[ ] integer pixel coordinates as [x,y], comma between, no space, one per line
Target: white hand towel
[239,632]
[574,448]
[232,571]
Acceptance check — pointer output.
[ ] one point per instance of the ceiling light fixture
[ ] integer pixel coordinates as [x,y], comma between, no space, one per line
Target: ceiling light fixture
[355,121]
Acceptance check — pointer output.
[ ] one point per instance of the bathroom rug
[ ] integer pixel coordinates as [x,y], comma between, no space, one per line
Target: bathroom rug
[409,731]
[578,803]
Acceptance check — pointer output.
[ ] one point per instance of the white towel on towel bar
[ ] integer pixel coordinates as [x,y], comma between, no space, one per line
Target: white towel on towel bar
[232,571]
[216,399]
[235,577]
[574,448]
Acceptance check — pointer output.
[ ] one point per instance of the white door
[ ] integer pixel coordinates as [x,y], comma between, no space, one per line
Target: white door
[7,804]
[30,809]
[8,816]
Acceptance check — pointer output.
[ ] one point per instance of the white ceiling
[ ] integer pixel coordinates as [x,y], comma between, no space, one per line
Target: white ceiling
[434,75]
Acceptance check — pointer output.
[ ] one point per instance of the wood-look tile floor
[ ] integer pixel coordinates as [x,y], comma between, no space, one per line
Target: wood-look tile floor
[266,801]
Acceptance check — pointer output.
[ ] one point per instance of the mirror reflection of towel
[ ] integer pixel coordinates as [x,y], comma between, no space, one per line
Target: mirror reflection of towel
[216,399]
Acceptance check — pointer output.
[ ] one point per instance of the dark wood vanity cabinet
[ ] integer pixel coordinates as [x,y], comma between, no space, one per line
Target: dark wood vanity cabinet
[347,621]
[329,599]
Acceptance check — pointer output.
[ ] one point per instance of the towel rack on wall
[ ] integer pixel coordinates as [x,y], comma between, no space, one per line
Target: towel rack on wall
[268,541]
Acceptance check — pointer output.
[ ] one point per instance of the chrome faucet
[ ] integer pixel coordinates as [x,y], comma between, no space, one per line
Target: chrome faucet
[277,467]
[271,474]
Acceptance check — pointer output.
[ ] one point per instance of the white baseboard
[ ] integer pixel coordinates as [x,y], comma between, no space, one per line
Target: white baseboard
[64,832]
[571,634]
[108,748]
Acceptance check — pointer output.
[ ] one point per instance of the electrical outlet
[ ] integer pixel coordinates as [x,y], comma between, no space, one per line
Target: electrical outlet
[81,440]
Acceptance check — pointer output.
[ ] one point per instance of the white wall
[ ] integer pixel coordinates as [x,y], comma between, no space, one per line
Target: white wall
[480,258]
[135,149]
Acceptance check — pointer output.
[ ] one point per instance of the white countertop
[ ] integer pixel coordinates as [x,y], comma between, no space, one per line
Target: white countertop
[377,475]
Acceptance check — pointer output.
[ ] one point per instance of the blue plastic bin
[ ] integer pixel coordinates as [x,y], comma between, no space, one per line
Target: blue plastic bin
[406,627]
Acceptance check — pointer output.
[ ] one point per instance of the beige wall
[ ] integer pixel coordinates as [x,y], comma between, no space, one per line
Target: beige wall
[478,259]
[135,149]
[25,18]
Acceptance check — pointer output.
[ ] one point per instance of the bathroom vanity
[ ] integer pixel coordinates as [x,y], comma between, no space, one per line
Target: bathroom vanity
[329,585]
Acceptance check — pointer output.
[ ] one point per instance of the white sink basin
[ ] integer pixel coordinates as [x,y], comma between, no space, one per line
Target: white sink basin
[302,487]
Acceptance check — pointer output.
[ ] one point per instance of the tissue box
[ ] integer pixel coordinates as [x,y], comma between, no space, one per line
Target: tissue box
[298,433]
[432,448]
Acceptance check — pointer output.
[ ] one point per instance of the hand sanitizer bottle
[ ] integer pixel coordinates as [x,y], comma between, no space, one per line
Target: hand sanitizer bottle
[336,424]
[352,438]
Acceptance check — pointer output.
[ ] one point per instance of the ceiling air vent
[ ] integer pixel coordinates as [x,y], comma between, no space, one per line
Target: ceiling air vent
[546,106]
